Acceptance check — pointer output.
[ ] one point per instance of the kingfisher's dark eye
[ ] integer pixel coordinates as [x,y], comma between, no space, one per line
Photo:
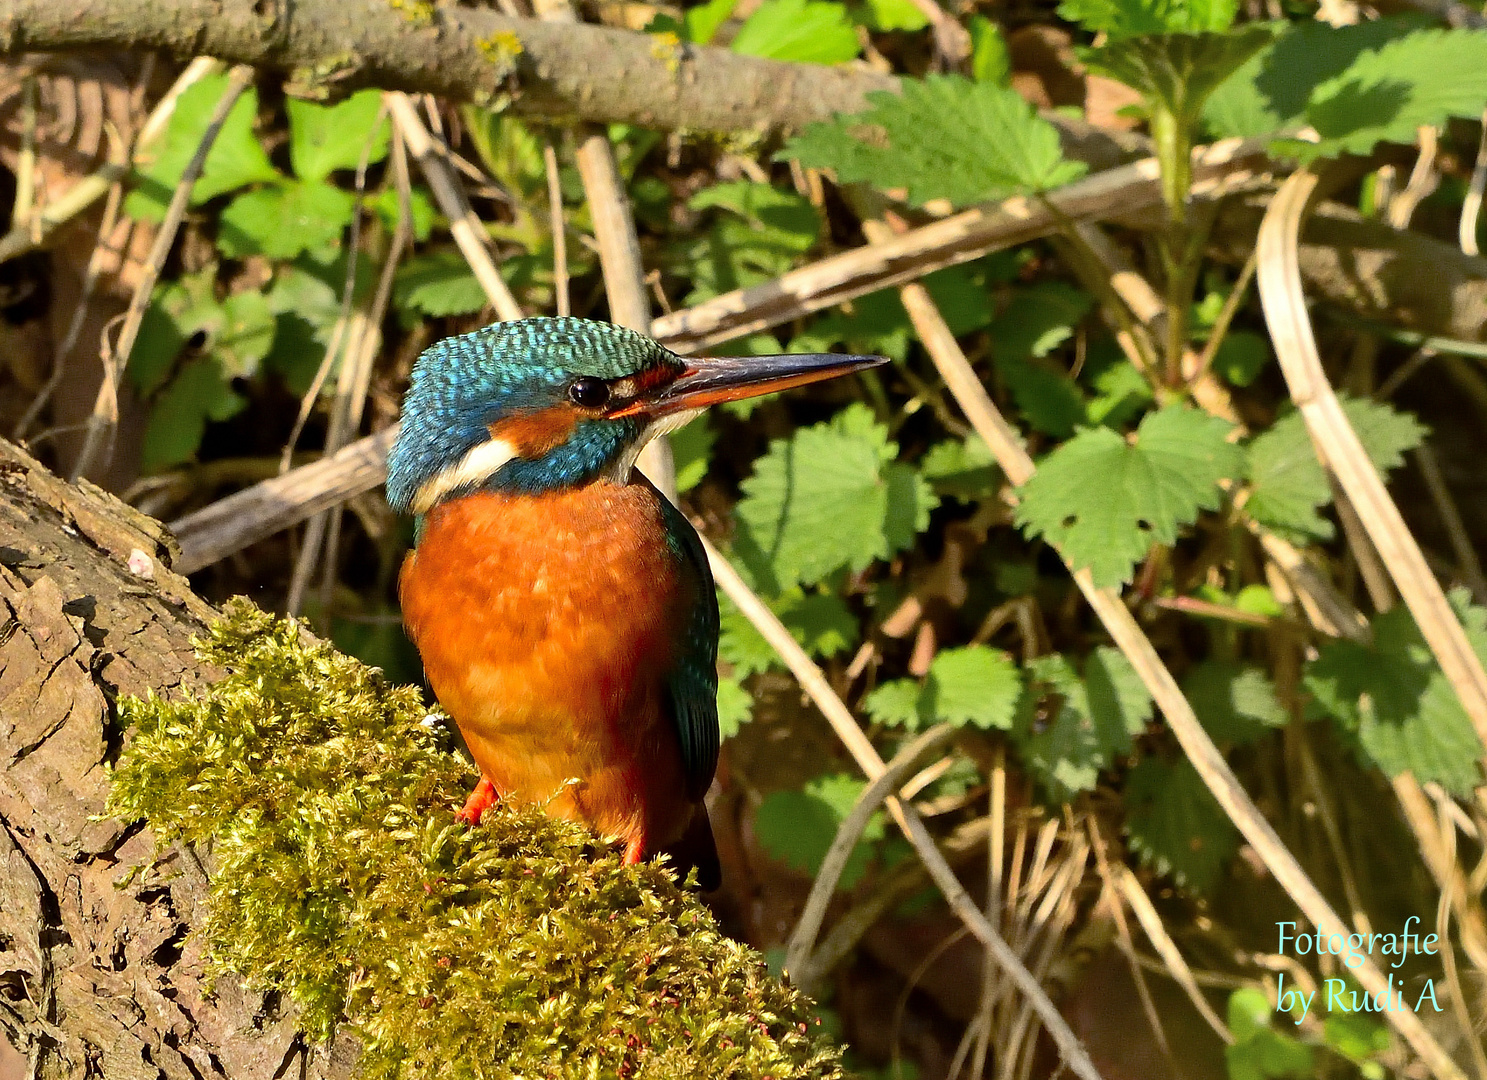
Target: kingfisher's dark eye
[588,393]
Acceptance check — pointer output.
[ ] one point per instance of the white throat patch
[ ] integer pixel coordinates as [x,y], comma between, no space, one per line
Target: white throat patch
[620,473]
[481,463]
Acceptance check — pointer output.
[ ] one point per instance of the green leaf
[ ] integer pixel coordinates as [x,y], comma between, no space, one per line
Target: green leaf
[797,827]
[943,138]
[735,706]
[1236,703]
[244,334]
[702,22]
[762,233]
[324,138]
[961,469]
[1104,502]
[420,210]
[284,220]
[691,447]
[1125,18]
[1421,80]
[1067,729]
[881,16]
[789,218]
[306,307]
[990,60]
[1175,824]
[236,333]
[973,685]
[1393,697]
[1121,393]
[437,284]
[235,160]
[1178,71]
[1259,1051]
[1287,483]
[832,495]
[821,622]
[178,417]
[1241,356]
[1038,320]
[801,31]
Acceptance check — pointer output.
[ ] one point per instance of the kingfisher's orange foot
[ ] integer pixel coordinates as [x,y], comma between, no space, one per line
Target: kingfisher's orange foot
[480,800]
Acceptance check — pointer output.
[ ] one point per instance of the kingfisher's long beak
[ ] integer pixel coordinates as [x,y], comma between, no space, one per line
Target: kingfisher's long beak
[710,380]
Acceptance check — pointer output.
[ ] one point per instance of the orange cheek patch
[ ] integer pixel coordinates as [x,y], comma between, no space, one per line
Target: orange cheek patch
[534,434]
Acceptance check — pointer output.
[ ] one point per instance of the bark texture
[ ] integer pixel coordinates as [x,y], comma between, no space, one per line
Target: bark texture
[99,976]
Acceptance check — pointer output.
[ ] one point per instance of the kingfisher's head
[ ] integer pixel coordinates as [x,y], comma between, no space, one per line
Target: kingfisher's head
[547,404]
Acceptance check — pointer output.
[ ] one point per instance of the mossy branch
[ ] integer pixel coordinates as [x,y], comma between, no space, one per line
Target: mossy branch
[340,877]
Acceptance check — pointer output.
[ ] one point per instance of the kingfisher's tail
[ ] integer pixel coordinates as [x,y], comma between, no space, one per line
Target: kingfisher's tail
[697,848]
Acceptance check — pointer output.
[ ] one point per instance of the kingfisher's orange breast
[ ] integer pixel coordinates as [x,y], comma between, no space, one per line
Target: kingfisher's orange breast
[548,626]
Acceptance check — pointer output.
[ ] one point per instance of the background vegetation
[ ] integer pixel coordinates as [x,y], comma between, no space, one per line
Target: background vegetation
[894,525]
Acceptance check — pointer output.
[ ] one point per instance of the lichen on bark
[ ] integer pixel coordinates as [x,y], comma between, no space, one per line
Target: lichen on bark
[324,798]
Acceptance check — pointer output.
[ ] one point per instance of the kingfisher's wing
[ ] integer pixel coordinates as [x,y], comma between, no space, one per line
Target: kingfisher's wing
[693,682]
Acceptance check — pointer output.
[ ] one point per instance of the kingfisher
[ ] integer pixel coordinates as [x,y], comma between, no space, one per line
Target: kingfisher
[563,607]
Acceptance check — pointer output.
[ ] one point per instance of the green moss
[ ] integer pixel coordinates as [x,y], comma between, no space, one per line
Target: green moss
[521,948]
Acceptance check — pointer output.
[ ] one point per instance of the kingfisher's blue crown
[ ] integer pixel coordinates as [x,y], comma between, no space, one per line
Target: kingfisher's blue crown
[463,385]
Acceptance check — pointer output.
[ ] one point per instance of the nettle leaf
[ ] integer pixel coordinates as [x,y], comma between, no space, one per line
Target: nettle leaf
[1121,392]
[283,220]
[692,448]
[1394,699]
[1177,827]
[1067,729]
[324,138]
[1288,484]
[420,210]
[437,284]
[1241,356]
[1036,321]
[1103,502]
[797,827]
[801,31]
[975,685]
[1420,80]
[944,137]
[761,234]
[990,60]
[735,706]
[878,323]
[235,160]
[881,16]
[702,22]
[236,333]
[1178,71]
[1125,18]
[821,622]
[788,217]
[831,495]
[199,392]
[1235,702]
[961,469]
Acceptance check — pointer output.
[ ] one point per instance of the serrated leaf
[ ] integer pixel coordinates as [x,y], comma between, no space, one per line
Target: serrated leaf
[882,16]
[1038,320]
[283,220]
[1178,71]
[797,827]
[178,416]
[1235,703]
[1121,394]
[235,333]
[789,219]
[760,237]
[943,138]
[420,210]
[990,60]
[324,138]
[691,448]
[1067,729]
[244,334]
[1288,484]
[1104,502]
[437,284]
[735,706]
[1177,827]
[974,685]
[830,496]
[821,622]
[1420,80]
[801,31]
[1124,18]
[1394,699]
[235,160]
[961,469]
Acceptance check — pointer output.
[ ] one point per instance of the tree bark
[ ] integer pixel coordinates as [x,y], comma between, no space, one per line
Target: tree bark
[99,975]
